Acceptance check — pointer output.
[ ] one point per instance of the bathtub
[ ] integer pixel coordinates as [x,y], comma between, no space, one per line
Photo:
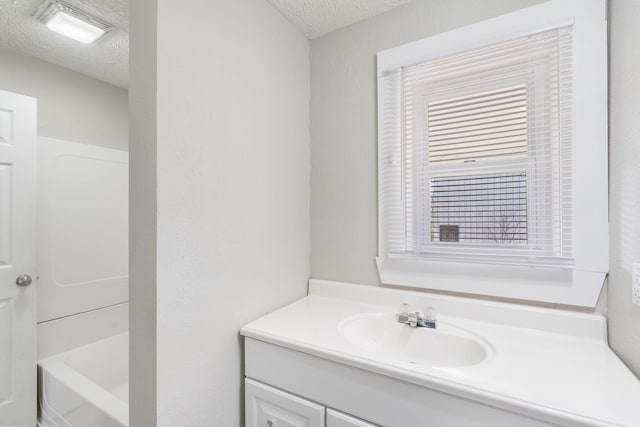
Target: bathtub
[86,386]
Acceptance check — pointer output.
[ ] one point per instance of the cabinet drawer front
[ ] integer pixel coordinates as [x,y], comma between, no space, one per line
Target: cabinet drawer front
[338,419]
[269,407]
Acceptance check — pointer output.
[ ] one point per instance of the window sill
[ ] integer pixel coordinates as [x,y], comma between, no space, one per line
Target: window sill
[549,285]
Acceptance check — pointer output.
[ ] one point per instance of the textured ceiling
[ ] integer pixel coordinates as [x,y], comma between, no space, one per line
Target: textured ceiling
[318,17]
[107,59]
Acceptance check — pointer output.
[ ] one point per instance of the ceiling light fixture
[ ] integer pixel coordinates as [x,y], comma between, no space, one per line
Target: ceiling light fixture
[71,22]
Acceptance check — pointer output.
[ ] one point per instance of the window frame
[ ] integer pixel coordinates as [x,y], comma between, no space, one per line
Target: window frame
[578,284]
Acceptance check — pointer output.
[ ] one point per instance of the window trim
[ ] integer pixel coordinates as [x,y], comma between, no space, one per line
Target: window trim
[581,283]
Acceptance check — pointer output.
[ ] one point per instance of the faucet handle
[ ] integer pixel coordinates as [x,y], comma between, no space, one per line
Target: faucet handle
[429,317]
[403,311]
[429,314]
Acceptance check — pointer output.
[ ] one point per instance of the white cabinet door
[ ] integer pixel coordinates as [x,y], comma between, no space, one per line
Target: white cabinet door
[17,260]
[338,419]
[269,407]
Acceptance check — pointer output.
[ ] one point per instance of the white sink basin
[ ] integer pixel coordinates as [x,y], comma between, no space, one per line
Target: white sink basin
[446,346]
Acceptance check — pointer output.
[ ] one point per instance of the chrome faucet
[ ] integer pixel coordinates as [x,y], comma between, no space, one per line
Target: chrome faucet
[415,319]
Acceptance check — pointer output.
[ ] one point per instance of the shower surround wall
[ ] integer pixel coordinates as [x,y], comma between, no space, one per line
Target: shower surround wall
[83,232]
[219,197]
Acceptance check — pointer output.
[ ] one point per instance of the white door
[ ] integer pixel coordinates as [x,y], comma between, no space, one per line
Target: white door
[17,260]
[266,406]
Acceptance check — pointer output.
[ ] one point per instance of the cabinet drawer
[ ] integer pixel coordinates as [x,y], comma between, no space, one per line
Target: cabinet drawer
[338,419]
[269,407]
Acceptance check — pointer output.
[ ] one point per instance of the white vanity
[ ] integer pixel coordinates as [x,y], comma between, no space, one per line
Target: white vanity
[338,358]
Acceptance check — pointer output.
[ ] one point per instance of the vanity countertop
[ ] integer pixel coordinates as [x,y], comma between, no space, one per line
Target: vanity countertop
[550,364]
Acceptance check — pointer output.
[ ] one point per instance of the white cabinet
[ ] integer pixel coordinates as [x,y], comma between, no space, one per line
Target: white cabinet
[381,400]
[269,407]
[338,419]
[266,406]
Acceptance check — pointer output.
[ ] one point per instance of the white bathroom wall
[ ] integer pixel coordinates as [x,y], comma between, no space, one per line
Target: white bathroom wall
[83,218]
[71,106]
[343,128]
[224,147]
[343,146]
[624,170]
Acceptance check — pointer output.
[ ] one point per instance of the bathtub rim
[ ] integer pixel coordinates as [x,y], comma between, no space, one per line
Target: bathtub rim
[105,401]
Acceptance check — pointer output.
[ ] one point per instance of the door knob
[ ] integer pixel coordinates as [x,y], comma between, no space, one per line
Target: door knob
[23,280]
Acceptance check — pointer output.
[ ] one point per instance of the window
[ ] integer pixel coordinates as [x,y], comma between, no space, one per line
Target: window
[479,165]
[486,148]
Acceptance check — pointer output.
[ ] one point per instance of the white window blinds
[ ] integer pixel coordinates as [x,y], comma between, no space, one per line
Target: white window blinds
[475,155]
